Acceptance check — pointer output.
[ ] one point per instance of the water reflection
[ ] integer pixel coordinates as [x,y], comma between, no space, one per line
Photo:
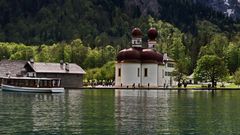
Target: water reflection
[142,112]
[177,112]
[121,112]
[25,112]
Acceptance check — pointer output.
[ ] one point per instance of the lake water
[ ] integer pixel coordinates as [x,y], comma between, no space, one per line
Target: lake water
[120,112]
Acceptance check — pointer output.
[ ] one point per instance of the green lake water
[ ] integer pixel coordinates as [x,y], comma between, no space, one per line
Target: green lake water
[124,112]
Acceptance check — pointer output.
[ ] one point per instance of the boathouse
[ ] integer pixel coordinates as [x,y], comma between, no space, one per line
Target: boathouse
[70,73]
[143,67]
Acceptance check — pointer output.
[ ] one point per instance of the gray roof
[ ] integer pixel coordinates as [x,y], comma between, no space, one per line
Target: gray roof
[41,67]
[12,67]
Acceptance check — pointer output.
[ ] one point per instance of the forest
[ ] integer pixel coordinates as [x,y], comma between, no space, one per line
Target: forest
[90,33]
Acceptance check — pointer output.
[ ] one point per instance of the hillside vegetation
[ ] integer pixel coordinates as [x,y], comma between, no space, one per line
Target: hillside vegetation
[81,31]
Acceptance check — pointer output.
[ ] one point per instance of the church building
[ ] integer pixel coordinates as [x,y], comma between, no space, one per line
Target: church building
[143,67]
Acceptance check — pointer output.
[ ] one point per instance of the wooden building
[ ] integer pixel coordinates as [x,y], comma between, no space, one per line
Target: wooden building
[71,74]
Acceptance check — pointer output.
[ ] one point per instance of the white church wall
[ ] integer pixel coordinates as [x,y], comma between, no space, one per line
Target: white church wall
[117,74]
[152,75]
[161,75]
[130,74]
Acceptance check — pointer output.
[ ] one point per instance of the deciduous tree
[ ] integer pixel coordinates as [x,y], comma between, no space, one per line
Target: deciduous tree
[210,68]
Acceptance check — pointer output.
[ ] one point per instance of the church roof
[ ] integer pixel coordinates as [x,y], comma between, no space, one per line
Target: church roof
[140,54]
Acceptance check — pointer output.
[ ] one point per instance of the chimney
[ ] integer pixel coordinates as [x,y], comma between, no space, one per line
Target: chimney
[32,61]
[61,64]
[66,66]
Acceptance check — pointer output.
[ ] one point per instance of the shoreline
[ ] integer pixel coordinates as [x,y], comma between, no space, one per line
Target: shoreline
[178,89]
[183,89]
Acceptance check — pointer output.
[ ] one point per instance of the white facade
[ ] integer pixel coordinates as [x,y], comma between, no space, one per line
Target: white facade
[169,80]
[128,74]
[118,74]
[149,75]
[143,75]
[161,75]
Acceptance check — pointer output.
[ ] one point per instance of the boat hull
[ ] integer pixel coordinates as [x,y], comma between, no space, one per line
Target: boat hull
[31,89]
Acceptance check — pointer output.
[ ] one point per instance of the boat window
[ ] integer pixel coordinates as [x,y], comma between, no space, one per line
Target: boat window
[49,83]
[15,82]
[40,83]
[26,83]
[20,83]
[59,83]
[33,84]
[45,83]
[12,81]
[55,83]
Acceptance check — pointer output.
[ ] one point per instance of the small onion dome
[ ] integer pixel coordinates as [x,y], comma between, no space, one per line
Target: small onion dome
[152,34]
[129,54]
[137,33]
[151,56]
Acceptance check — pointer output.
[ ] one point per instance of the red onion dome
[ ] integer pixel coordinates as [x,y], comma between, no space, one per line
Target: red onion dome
[137,33]
[152,34]
[151,55]
[160,57]
[129,54]
[121,55]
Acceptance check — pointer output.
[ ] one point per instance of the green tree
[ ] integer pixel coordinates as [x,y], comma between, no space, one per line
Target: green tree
[236,77]
[210,68]
[78,51]
[170,39]
[58,54]
[43,54]
[4,52]
[93,58]
[22,52]
[217,46]
[106,72]
[233,57]
[181,69]
[109,70]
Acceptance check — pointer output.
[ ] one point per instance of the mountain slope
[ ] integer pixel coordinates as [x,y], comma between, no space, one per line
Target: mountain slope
[96,22]
[230,8]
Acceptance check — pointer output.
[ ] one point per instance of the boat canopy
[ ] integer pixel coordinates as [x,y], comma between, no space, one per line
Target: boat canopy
[32,82]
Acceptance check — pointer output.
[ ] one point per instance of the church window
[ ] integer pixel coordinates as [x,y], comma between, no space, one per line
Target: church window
[119,72]
[162,73]
[138,72]
[145,72]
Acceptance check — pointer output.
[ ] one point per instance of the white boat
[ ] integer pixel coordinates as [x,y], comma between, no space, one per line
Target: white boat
[27,84]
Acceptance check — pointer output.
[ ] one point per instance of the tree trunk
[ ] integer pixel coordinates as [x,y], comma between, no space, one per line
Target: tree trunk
[213,85]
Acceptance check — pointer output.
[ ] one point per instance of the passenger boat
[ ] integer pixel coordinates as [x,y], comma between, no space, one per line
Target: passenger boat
[27,84]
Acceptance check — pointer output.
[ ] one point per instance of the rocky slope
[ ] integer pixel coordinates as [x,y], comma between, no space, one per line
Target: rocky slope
[230,8]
